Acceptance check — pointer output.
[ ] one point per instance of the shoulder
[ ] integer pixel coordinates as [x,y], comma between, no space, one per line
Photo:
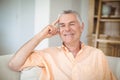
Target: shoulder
[96,54]
[50,50]
[93,50]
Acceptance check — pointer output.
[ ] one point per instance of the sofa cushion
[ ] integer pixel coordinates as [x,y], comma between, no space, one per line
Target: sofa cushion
[114,64]
[5,72]
[31,73]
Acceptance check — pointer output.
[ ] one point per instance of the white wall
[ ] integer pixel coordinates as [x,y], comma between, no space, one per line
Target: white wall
[84,5]
[16,24]
[42,15]
[21,19]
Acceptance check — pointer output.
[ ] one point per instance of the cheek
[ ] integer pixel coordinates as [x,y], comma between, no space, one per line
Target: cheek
[76,29]
[61,31]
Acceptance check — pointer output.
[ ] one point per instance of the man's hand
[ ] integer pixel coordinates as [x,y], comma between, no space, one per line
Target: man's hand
[50,30]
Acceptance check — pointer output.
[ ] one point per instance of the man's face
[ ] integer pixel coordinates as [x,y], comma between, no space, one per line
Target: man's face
[70,28]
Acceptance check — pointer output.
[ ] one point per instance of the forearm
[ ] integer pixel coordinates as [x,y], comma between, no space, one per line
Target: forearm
[23,53]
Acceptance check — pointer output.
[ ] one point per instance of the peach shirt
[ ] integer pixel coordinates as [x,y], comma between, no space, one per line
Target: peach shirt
[58,63]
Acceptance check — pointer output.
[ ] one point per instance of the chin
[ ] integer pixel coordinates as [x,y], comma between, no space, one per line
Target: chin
[67,41]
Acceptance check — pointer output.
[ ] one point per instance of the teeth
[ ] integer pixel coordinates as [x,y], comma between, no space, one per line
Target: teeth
[67,34]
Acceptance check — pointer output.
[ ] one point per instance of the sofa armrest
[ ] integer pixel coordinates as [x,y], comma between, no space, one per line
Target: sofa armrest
[5,72]
[31,73]
[114,63]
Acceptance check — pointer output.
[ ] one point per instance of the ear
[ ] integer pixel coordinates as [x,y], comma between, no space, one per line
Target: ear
[82,27]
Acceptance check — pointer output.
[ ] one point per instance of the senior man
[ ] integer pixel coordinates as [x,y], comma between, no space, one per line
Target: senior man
[73,60]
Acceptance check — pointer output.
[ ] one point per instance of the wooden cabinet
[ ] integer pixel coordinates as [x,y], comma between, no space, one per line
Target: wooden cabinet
[104,26]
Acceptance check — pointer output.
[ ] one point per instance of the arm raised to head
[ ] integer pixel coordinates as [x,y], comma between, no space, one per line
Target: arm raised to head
[25,51]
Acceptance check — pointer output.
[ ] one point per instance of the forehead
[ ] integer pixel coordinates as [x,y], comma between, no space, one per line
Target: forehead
[66,18]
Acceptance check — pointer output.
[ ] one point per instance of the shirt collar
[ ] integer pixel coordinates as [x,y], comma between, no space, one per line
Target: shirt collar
[66,50]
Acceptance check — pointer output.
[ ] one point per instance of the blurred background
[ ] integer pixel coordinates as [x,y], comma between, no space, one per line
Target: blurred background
[20,20]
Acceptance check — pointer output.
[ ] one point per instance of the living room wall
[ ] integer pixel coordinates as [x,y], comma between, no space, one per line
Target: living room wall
[22,19]
[16,24]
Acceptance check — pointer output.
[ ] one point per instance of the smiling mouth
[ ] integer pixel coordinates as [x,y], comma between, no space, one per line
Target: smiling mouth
[69,34]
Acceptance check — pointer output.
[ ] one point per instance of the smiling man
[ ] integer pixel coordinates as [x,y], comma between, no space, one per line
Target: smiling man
[71,61]
[70,31]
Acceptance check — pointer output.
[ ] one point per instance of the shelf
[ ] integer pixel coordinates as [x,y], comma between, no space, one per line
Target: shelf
[110,20]
[108,41]
[108,17]
[108,37]
[111,17]
[103,31]
[102,35]
[110,0]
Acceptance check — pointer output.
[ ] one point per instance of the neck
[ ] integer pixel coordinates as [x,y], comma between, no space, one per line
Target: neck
[74,48]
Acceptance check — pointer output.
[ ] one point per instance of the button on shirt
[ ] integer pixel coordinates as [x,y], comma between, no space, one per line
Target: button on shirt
[58,63]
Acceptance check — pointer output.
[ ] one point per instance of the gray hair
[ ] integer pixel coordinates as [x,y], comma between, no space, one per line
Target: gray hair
[71,12]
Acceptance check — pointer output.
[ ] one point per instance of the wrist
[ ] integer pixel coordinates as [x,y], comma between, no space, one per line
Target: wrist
[40,36]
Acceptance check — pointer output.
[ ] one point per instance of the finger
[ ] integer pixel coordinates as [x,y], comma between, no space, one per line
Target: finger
[55,22]
[52,30]
[55,32]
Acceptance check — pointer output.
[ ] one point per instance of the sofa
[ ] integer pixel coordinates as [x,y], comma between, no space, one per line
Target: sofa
[33,73]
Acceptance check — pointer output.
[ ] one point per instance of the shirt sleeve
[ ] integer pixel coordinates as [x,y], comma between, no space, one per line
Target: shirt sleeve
[35,59]
[108,75]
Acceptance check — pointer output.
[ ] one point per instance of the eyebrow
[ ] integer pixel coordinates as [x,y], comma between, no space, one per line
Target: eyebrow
[72,22]
[69,22]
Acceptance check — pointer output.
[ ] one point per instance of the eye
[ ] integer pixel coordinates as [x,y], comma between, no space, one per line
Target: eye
[72,24]
[61,25]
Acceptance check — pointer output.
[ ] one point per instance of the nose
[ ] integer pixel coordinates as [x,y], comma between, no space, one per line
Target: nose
[67,28]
